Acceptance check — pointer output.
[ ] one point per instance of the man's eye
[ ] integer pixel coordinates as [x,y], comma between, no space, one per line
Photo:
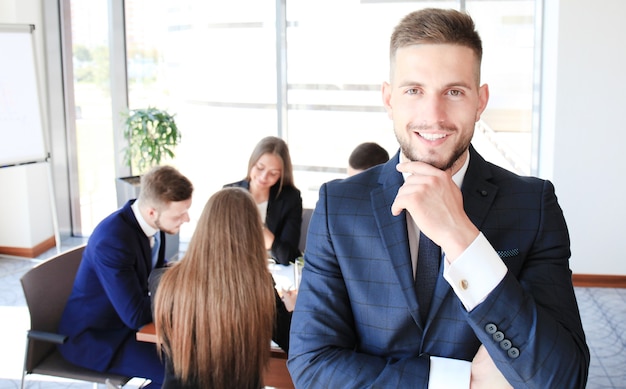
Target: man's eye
[412,91]
[455,92]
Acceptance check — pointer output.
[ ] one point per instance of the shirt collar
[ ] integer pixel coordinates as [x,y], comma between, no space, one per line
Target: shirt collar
[145,227]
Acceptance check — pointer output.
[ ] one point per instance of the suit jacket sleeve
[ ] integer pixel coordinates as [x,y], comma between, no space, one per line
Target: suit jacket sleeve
[284,219]
[124,278]
[534,306]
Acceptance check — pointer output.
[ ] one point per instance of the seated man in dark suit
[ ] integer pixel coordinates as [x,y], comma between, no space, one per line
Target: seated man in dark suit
[110,299]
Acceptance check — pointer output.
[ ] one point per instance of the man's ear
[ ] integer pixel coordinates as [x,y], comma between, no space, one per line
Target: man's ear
[483,99]
[386,95]
[153,213]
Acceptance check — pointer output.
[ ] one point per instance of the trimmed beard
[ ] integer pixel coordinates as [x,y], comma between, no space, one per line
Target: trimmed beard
[445,165]
[157,222]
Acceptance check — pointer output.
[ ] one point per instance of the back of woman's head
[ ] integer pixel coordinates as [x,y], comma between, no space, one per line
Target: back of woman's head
[214,310]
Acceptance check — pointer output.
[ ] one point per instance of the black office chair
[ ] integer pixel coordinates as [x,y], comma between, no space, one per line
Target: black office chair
[47,286]
[306,219]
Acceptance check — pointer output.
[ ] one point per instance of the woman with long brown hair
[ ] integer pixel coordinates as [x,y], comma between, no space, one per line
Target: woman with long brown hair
[214,309]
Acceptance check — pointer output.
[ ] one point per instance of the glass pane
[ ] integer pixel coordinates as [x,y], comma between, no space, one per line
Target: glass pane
[212,64]
[507,30]
[337,62]
[94,133]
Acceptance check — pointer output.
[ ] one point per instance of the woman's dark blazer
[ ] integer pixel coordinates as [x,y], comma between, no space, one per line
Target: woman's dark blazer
[283,218]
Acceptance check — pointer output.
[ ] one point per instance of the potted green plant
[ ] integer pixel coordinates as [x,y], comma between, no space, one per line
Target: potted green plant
[152,136]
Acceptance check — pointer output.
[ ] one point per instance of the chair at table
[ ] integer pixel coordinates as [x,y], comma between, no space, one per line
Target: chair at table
[47,287]
[306,219]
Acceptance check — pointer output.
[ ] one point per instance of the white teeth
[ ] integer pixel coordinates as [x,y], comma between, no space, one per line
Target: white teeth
[432,136]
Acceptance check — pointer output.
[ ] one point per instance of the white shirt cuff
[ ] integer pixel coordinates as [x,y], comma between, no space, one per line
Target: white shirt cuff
[447,373]
[475,273]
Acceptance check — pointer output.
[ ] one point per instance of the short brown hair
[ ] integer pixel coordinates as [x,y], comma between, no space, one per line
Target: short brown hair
[164,184]
[436,26]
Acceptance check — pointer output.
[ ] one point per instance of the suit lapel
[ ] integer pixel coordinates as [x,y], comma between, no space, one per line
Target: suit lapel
[478,192]
[129,215]
[393,230]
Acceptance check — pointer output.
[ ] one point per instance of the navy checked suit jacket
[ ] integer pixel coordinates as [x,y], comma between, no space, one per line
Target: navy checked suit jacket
[109,300]
[356,322]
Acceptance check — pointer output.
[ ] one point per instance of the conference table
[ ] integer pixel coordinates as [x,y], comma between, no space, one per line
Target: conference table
[276,376]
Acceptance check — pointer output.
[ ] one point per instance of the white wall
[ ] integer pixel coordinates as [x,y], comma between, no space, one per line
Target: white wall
[585,106]
[25,206]
[25,196]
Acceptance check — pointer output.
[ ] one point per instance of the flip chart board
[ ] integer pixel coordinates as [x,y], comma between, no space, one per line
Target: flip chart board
[21,127]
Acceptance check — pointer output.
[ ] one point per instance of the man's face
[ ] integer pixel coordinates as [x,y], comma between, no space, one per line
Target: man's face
[170,218]
[434,101]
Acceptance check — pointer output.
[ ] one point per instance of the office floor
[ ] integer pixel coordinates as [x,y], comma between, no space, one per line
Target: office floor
[603,312]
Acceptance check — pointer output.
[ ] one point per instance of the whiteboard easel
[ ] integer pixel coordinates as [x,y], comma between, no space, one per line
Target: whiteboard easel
[21,122]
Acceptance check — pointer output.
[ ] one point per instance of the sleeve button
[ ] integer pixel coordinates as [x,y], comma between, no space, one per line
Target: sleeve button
[506,344]
[498,336]
[513,352]
[491,328]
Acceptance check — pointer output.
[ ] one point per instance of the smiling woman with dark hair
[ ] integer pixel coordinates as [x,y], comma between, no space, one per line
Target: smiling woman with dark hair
[270,181]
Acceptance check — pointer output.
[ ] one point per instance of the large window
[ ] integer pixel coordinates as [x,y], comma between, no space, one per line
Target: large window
[92,99]
[227,71]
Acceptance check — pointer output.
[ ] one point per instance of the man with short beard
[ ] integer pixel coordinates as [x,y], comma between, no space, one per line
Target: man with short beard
[110,299]
[495,308]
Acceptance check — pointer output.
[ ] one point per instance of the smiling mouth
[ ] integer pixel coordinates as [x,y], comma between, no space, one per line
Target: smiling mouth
[432,136]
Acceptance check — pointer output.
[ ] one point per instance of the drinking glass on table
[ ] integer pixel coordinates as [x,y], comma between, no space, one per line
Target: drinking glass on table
[297,271]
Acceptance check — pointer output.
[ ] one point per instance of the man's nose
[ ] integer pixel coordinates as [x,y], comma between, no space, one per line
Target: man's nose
[433,110]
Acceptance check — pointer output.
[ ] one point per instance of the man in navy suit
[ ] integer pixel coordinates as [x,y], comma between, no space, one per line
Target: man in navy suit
[110,300]
[503,311]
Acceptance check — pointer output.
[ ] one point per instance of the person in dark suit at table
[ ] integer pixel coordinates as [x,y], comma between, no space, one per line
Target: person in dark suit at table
[437,268]
[270,181]
[110,301]
[214,309]
[365,156]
